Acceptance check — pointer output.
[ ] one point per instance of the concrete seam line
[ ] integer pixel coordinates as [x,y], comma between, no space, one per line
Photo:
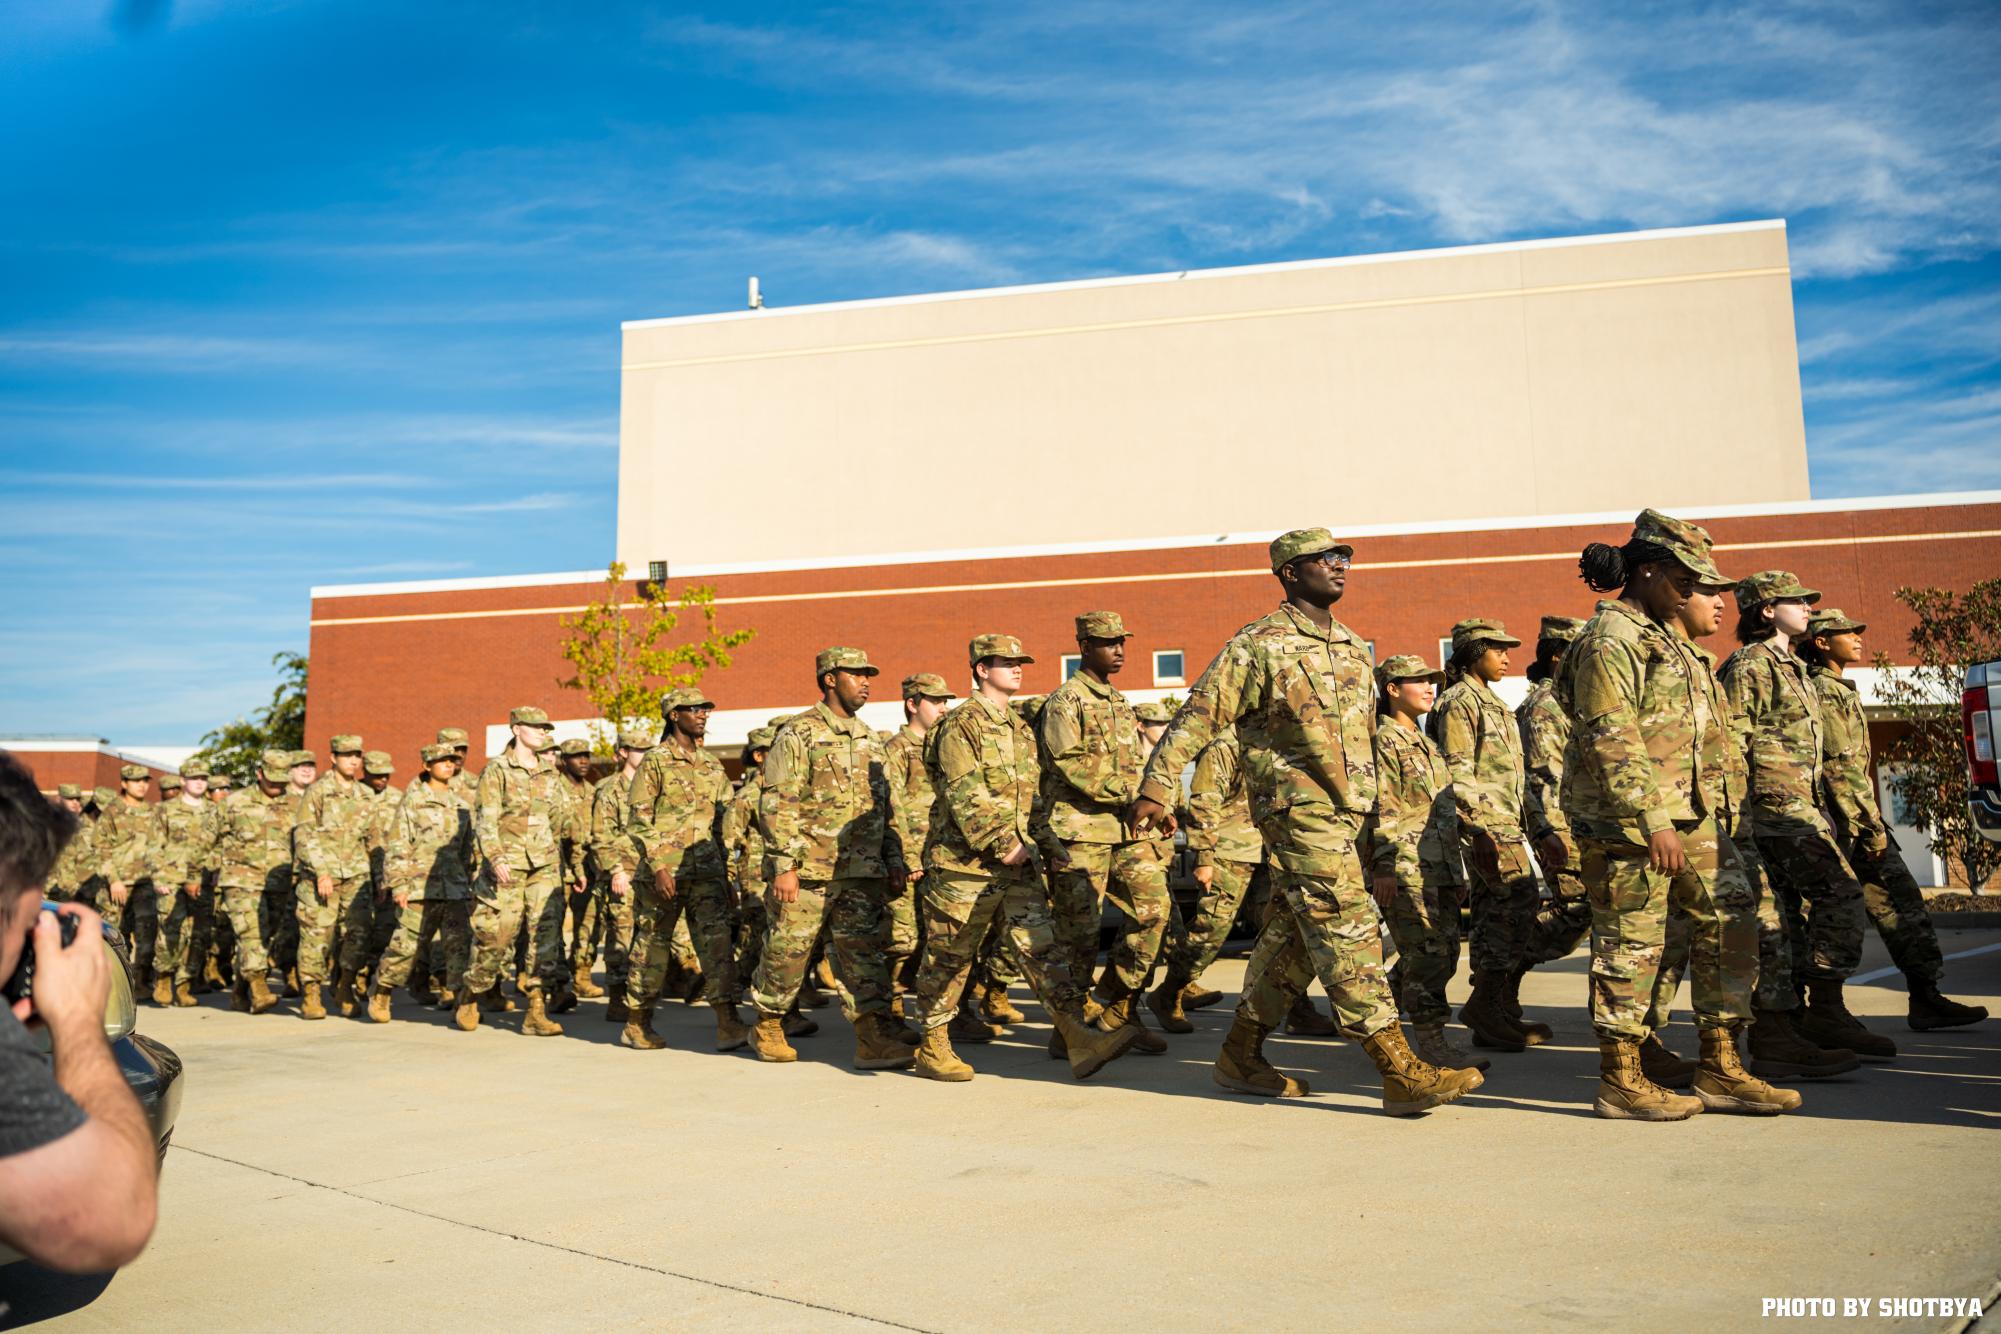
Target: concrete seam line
[1881,973]
[550,1245]
[1965,1323]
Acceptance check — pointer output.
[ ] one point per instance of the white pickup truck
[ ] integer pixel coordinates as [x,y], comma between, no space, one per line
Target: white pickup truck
[1980,707]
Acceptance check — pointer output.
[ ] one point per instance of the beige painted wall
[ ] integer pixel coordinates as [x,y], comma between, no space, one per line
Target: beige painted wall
[1542,378]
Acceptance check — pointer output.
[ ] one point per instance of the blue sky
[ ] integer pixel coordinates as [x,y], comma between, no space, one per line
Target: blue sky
[297,293]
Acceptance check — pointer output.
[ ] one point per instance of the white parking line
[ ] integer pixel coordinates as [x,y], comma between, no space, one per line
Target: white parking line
[1880,973]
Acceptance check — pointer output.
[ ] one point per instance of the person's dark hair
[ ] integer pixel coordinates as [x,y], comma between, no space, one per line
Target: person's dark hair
[1810,652]
[1609,569]
[33,829]
[1547,651]
[1752,625]
[1463,658]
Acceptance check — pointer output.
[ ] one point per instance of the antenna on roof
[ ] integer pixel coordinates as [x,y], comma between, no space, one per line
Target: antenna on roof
[756,297]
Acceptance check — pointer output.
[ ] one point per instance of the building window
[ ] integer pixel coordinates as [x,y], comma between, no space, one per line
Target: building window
[1372,649]
[1444,652]
[1072,664]
[1167,667]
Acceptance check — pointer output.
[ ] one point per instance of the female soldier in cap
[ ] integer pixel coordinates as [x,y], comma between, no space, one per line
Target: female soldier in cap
[1545,732]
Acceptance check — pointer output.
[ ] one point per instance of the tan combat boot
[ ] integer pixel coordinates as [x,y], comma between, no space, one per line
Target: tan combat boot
[615,1009]
[537,1023]
[1723,1086]
[493,1001]
[1486,1017]
[239,997]
[163,991]
[1434,1048]
[1165,1002]
[580,982]
[184,994]
[998,1010]
[311,1008]
[1411,1086]
[799,1025]
[1659,1063]
[731,1032]
[768,1040]
[1121,1014]
[211,975]
[1534,1032]
[1779,1052]
[1626,1094]
[344,993]
[936,1059]
[1195,997]
[262,999]
[1826,1022]
[378,1006]
[638,1032]
[564,998]
[466,1013]
[1304,1020]
[970,1028]
[1090,1049]
[877,1048]
[1241,1067]
[292,988]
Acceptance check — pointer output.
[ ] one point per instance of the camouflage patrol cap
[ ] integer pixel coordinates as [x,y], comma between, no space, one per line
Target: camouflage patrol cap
[760,738]
[274,763]
[300,757]
[1687,542]
[844,659]
[103,796]
[995,646]
[1481,629]
[576,745]
[454,736]
[220,781]
[1154,712]
[1562,629]
[685,697]
[347,743]
[69,792]
[636,738]
[171,782]
[1409,667]
[193,769]
[1834,621]
[528,716]
[1102,625]
[377,762]
[926,685]
[1289,547]
[1773,586]
[1029,706]
[132,771]
[439,750]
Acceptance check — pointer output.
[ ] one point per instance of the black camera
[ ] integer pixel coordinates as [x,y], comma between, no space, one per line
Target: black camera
[22,984]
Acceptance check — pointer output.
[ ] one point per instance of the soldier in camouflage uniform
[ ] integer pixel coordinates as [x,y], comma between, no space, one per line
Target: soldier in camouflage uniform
[1092,758]
[1412,843]
[573,761]
[281,918]
[75,866]
[335,892]
[1228,856]
[1889,894]
[743,850]
[676,801]
[1483,748]
[125,841]
[983,860]
[186,838]
[1566,919]
[428,868]
[1768,684]
[254,864]
[519,819]
[214,941]
[1300,690]
[1647,792]
[378,768]
[834,855]
[615,862]
[926,697]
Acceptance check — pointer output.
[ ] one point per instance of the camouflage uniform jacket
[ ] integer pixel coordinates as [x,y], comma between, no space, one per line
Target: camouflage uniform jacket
[1483,748]
[522,812]
[1647,744]
[577,858]
[612,846]
[124,841]
[1844,768]
[1416,820]
[1219,809]
[1545,730]
[987,773]
[430,851]
[743,836]
[186,841]
[1092,759]
[381,827]
[334,817]
[1303,700]
[255,838]
[825,804]
[675,805]
[1786,747]
[78,864]
[910,794]
[1726,785]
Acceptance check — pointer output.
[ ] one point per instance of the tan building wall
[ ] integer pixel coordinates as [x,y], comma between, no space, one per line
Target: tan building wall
[1540,377]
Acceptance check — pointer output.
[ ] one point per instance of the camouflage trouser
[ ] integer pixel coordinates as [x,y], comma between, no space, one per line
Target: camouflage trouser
[173,956]
[586,924]
[548,910]
[450,920]
[751,923]
[1630,909]
[382,924]
[702,902]
[1826,940]
[1194,944]
[498,913]
[615,920]
[1134,877]
[1561,924]
[1896,908]
[900,919]
[1423,919]
[999,965]
[1321,922]
[960,910]
[207,920]
[348,912]
[243,908]
[853,908]
[138,920]
[1502,909]
[280,918]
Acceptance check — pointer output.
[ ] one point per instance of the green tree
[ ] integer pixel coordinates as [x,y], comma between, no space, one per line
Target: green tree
[1953,631]
[623,653]
[236,748]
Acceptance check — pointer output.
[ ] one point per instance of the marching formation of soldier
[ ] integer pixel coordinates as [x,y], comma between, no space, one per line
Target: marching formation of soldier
[1717,822]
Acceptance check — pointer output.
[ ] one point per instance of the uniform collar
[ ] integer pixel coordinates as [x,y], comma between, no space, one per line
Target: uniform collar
[851,726]
[512,755]
[993,710]
[1334,633]
[911,733]
[1102,689]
